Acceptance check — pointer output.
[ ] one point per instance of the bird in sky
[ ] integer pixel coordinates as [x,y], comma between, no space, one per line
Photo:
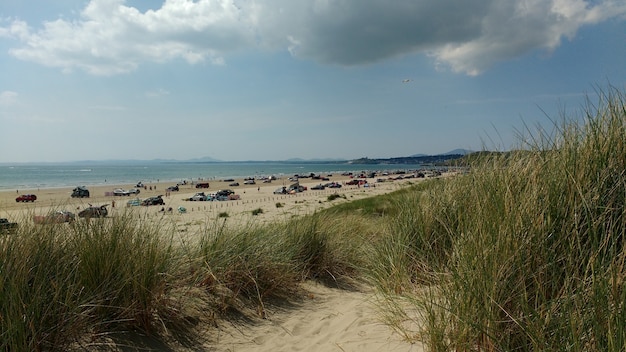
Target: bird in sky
[406,80]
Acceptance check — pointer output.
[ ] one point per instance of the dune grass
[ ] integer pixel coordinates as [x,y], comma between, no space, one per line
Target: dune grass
[86,283]
[526,252]
[60,281]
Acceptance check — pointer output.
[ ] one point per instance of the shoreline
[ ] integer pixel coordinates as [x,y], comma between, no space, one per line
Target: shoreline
[45,176]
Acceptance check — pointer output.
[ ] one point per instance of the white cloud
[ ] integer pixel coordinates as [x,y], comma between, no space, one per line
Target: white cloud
[466,36]
[112,38]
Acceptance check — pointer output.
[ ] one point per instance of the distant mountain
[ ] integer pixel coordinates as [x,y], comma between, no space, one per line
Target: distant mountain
[452,152]
[314,160]
[459,152]
[204,159]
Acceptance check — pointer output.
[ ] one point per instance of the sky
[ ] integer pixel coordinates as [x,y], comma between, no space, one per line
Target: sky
[279,79]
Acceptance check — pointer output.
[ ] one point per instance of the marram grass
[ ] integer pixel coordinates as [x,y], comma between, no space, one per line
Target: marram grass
[524,253]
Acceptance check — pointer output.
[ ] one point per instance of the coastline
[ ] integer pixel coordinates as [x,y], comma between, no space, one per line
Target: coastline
[31,177]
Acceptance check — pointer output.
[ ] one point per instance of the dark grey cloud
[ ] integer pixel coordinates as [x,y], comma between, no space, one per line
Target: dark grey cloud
[360,32]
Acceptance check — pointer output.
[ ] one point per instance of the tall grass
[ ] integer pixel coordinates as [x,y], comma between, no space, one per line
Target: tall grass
[249,266]
[61,281]
[84,283]
[524,253]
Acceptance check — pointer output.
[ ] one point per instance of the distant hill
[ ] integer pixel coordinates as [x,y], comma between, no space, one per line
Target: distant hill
[452,152]
[203,159]
[459,152]
[410,160]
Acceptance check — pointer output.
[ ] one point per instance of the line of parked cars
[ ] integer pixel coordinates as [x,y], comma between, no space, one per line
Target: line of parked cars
[221,195]
[326,185]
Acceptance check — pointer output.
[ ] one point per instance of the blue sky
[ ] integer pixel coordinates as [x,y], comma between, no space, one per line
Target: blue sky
[280,79]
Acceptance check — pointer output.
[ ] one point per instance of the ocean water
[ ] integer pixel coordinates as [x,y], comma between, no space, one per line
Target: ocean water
[35,176]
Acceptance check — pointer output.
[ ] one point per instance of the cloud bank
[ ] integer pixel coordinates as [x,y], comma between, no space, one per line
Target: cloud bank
[109,37]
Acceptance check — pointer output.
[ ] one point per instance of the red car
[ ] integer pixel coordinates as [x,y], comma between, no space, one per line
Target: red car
[26,198]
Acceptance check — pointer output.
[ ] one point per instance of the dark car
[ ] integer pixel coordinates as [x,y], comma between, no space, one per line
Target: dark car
[318,187]
[26,198]
[198,197]
[282,190]
[6,225]
[156,200]
[94,212]
[224,193]
[202,185]
[80,192]
[172,188]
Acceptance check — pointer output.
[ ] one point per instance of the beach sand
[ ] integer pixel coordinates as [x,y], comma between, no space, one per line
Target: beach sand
[329,320]
[259,195]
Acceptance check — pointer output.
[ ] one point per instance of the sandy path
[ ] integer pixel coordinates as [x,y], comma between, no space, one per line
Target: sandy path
[328,320]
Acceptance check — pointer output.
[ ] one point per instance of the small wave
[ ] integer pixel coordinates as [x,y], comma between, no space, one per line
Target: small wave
[85,170]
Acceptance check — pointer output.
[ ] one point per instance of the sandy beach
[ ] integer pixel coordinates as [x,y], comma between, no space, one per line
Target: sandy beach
[329,320]
[260,195]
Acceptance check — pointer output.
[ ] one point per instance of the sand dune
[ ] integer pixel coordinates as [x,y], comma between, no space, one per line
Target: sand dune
[327,320]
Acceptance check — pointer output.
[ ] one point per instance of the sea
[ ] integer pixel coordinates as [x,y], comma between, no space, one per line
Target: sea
[61,175]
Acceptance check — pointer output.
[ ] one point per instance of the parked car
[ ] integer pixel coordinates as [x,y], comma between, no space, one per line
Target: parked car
[333,185]
[55,217]
[224,193]
[198,197]
[281,190]
[26,198]
[94,212]
[80,192]
[5,224]
[318,187]
[202,185]
[134,191]
[234,184]
[120,192]
[63,215]
[228,180]
[133,202]
[172,188]
[139,185]
[296,188]
[249,182]
[156,200]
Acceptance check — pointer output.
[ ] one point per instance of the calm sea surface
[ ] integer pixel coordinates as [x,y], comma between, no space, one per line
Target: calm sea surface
[33,176]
